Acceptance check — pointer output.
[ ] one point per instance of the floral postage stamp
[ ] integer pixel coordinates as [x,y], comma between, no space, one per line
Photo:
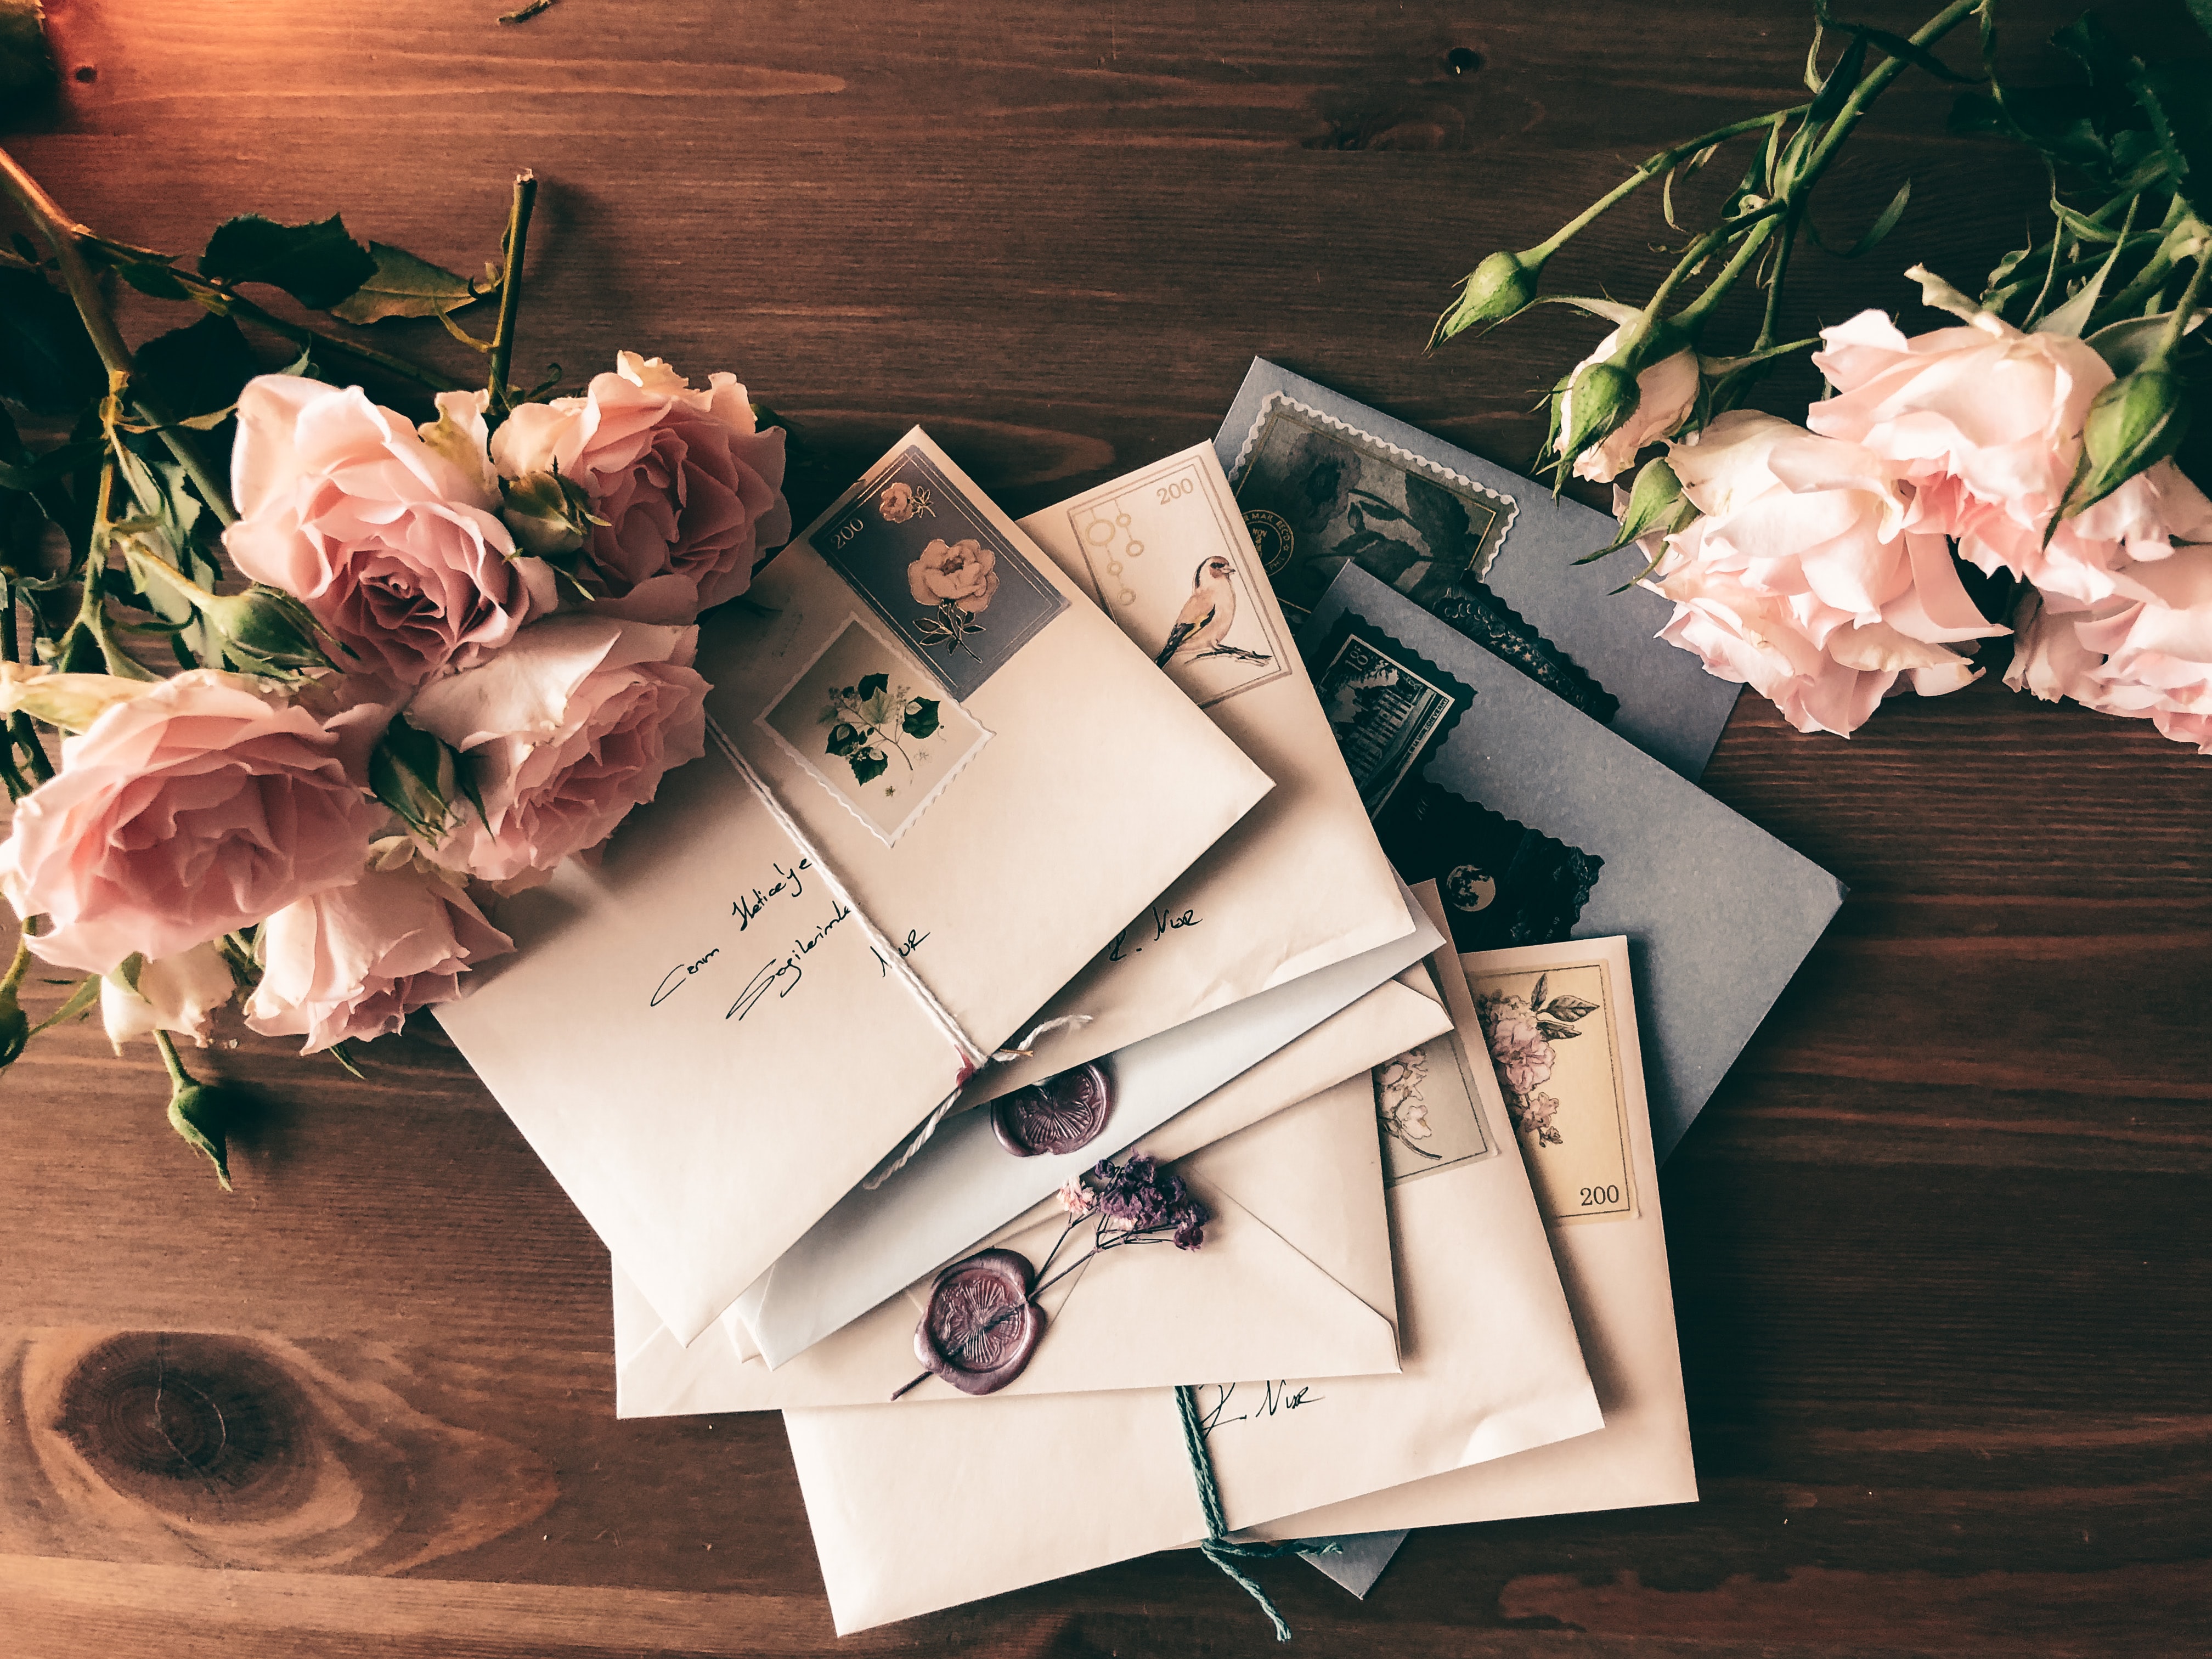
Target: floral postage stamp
[1555,1042]
[1425,1100]
[942,576]
[881,737]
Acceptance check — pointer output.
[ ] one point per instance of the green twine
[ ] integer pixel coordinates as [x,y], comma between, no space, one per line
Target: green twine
[1217,1546]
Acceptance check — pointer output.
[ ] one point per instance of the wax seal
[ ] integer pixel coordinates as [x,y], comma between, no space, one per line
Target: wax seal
[1063,1114]
[981,1327]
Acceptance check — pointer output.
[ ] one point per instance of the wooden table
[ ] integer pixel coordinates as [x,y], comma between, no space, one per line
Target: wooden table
[1939,1244]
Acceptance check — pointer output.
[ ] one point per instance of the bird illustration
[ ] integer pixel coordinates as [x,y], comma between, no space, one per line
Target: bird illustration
[1204,620]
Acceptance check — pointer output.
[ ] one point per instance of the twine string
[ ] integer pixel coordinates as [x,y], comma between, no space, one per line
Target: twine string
[1216,1545]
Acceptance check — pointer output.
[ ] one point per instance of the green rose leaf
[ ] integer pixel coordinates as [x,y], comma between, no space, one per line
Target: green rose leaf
[48,363]
[869,764]
[319,265]
[27,63]
[920,718]
[872,684]
[403,286]
[197,370]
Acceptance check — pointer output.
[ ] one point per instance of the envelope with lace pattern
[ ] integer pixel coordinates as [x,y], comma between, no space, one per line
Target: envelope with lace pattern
[1293,1279]
[936,782]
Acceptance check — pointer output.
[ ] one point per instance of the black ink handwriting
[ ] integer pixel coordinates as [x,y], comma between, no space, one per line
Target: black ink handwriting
[673,980]
[749,905]
[782,976]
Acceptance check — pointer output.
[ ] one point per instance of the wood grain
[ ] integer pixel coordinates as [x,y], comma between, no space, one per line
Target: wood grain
[1941,1254]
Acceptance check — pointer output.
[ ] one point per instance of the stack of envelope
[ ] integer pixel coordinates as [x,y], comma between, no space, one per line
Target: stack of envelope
[1081,816]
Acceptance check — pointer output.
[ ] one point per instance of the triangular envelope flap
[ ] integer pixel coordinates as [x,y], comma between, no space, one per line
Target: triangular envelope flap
[1314,1173]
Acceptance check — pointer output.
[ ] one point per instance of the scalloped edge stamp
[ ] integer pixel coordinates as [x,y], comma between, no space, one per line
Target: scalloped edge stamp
[1388,706]
[861,718]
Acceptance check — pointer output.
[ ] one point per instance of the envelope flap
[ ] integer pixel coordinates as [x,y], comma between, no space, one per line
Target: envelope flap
[1314,1174]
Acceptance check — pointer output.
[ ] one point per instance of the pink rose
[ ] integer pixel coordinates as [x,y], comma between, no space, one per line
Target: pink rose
[354,960]
[193,808]
[393,541]
[1811,578]
[2147,657]
[963,572]
[1665,393]
[896,503]
[690,486]
[569,727]
[177,993]
[1522,1056]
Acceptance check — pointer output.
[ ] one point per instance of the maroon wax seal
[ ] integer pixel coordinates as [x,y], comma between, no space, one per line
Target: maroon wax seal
[981,1326]
[1063,1114]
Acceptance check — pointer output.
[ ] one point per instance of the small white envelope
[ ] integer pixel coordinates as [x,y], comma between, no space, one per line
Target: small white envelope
[963,1185]
[1155,549]
[917,1509]
[1614,1272]
[1294,1277]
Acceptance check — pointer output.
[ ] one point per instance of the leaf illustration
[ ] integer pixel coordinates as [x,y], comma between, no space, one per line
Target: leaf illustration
[1379,508]
[870,763]
[844,737]
[1556,1032]
[1536,996]
[871,683]
[920,718]
[1570,1008]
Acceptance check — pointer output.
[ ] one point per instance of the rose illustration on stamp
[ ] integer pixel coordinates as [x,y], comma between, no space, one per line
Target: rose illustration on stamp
[1062,1114]
[981,1326]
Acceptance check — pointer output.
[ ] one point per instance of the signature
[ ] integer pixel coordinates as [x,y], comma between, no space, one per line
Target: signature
[906,947]
[782,976]
[674,980]
[1165,921]
[749,905]
[1278,1396]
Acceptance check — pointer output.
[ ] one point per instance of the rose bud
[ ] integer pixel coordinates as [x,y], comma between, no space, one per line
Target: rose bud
[70,702]
[264,630]
[201,1113]
[1655,507]
[1597,403]
[2134,423]
[1501,286]
[549,515]
[418,776]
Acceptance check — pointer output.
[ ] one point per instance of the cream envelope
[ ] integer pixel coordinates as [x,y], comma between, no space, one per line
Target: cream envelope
[945,1505]
[789,960]
[1294,1275]
[1614,1272]
[1164,540]
[963,1185]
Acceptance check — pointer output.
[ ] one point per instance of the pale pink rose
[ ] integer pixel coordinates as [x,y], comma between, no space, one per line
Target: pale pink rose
[1812,577]
[2147,657]
[1666,391]
[394,544]
[963,572]
[177,993]
[687,482]
[896,503]
[2090,557]
[354,962]
[569,727]
[179,815]
[1522,1056]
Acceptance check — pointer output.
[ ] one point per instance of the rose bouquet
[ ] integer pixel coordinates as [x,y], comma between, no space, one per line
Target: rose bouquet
[409,663]
[1827,563]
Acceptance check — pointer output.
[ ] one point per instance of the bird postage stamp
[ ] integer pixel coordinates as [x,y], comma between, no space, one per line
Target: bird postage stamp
[1389,707]
[1554,1021]
[1165,555]
[936,570]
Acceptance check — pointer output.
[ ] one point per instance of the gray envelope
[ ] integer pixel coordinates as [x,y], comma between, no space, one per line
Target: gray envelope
[1718,913]
[1522,543]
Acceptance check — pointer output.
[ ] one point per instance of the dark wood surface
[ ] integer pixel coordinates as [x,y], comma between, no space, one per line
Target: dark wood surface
[1941,1250]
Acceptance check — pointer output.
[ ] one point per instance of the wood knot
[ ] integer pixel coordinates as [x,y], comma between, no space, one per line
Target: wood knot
[176,1419]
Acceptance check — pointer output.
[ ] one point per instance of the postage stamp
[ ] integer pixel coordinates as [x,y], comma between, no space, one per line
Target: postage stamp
[1388,704]
[1426,1100]
[1169,561]
[933,567]
[1555,1043]
[1503,882]
[871,730]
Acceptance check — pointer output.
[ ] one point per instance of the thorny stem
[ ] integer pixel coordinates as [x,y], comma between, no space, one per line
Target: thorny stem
[1691,317]
[64,233]
[510,287]
[2177,324]
[1652,168]
[22,733]
[213,296]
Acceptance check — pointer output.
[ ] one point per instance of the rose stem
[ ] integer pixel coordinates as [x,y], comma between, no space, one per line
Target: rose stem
[510,288]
